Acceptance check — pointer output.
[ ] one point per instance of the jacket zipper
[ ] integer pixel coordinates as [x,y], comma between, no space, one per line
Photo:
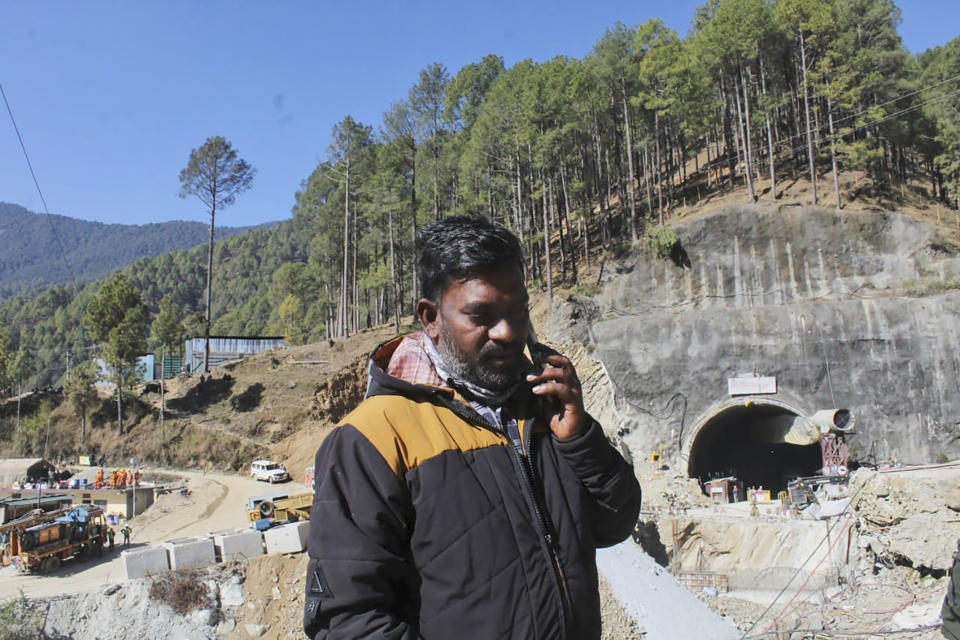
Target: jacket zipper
[526,463]
[528,474]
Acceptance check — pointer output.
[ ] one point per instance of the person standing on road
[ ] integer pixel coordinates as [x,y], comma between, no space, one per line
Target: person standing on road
[110,535]
[126,531]
[950,610]
[466,496]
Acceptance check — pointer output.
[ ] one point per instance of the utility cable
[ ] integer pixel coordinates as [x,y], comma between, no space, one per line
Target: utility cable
[829,633]
[53,228]
[663,414]
[36,183]
[850,505]
[836,539]
[905,95]
[822,130]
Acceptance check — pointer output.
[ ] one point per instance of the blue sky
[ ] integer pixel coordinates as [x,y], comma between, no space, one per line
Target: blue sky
[110,97]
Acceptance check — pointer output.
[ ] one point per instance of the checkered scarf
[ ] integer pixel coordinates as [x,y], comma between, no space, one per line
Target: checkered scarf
[417,360]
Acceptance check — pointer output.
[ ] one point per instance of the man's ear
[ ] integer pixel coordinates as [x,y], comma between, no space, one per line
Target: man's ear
[429,315]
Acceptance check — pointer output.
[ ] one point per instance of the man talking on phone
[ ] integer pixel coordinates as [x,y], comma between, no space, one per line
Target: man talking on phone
[466,496]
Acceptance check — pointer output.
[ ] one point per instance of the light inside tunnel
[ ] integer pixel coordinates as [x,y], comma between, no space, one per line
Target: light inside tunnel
[736,442]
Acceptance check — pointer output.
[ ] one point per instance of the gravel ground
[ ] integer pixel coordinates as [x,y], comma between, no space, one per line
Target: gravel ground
[617,623]
[123,611]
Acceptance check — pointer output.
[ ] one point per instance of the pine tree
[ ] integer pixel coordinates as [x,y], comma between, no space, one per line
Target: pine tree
[215,175]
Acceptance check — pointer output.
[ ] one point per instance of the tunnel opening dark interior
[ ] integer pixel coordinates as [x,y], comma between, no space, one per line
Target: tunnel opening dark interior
[729,444]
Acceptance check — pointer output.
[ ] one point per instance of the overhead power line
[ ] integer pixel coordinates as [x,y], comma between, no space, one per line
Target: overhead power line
[902,96]
[36,183]
[825,137]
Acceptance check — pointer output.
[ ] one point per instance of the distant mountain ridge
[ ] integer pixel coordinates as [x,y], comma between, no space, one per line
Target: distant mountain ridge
[30,255]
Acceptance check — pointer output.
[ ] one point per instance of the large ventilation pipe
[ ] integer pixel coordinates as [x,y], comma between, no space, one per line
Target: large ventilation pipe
[803,430]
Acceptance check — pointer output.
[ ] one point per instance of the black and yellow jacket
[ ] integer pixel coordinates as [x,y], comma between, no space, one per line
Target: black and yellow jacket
[428,523]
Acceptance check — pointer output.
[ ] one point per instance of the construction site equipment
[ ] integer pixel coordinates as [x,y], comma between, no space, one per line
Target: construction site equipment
[805,430]
[39,541]
[279,507]
[802,491]
[13,508]
[724,490]
[836,455]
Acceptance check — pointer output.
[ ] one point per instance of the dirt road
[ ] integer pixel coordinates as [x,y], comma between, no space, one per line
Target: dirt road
[215,503]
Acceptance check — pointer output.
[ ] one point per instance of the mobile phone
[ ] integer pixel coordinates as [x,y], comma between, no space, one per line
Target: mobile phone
[535,350]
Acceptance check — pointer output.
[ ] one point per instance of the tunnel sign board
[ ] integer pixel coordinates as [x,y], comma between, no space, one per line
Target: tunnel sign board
[751,385]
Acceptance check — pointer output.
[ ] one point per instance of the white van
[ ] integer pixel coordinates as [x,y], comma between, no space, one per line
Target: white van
[268,471]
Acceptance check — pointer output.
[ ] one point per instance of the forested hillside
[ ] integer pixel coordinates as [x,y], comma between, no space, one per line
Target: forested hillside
[37,250]
[578,156]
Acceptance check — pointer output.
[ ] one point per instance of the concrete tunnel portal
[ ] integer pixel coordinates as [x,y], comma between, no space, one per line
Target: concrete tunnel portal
[743,440]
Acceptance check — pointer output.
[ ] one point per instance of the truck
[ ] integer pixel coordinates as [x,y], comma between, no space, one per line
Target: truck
[39,541]
[265,510]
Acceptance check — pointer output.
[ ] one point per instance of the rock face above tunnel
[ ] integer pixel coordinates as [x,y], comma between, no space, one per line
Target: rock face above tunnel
[818,300]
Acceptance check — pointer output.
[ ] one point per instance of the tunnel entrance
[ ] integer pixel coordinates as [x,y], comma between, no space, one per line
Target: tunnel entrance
[733,443]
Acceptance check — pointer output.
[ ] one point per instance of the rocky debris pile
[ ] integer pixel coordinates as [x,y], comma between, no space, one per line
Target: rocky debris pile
[889,571]
[273,595]
[895,602]
[133,610]
[908,517]
[666,490]
[21,618]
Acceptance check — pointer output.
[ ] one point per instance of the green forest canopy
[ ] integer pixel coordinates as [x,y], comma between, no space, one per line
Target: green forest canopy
[32,255]
[569,153]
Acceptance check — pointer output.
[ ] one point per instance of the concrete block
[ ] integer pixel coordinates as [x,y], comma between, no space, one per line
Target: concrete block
[656,601]
[186,553]
[215,536]
[287,538]
[138,563]
[831,508]
[237,545]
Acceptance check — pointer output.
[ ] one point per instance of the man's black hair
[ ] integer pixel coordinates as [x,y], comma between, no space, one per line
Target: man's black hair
[459,247]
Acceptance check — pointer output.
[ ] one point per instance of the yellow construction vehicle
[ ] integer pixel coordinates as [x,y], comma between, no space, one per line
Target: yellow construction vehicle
[279,507]
[38,541]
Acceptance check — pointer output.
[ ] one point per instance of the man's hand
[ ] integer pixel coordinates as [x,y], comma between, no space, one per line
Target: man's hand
[558,381]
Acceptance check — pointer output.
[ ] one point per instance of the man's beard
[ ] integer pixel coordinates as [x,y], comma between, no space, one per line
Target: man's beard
[481,371]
